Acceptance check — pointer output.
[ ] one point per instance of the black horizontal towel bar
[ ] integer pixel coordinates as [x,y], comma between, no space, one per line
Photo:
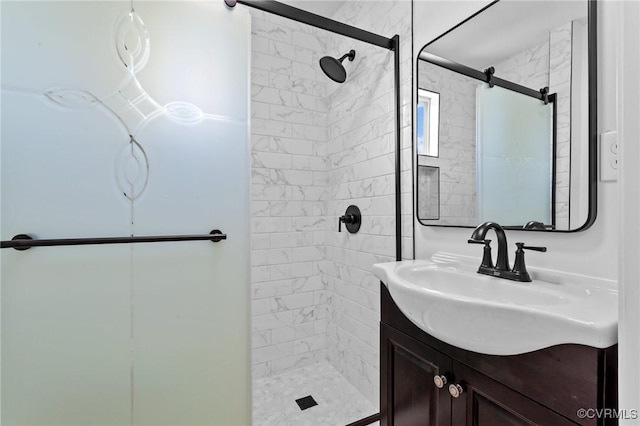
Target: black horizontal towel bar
[24,241]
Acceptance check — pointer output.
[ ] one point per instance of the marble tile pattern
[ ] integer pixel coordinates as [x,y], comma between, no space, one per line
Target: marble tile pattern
[361,151]
[457,146]
[318,147]
[529,67]
[428,192]
[289,168]
[339,403]
[560,62]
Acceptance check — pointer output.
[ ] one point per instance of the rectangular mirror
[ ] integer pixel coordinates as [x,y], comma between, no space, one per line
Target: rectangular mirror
[505,119]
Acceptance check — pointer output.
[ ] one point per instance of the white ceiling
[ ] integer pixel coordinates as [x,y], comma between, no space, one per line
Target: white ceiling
[504,29]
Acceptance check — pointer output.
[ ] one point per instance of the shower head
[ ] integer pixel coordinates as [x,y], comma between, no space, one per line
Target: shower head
[333,67]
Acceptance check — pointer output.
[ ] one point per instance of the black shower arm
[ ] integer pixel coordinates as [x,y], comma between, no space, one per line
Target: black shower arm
[350,54]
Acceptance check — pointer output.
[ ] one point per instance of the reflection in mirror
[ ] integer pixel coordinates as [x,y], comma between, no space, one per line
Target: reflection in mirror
[514,145]
[428,119]
[503,116]
[429,187]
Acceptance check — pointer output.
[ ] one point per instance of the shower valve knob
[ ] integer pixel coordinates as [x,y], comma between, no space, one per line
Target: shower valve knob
[344,219]
[351,219]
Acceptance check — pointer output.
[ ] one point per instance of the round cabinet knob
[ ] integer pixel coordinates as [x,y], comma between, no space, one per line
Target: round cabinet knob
[440,381]
[455,390]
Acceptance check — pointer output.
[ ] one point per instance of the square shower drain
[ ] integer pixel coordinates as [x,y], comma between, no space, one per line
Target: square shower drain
[306,402]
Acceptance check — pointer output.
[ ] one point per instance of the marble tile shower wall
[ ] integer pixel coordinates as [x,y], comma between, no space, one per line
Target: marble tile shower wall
[361,151]
[317,147]
[289,184]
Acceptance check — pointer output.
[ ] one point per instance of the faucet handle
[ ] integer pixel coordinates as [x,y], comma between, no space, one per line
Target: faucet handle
[521,246]
[519,266]
[486,253]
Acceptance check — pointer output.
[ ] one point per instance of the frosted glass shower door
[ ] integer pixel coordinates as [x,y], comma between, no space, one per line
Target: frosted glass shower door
[120,121]
[514,158]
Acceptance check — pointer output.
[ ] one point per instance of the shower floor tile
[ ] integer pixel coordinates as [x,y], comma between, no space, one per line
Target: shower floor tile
[339,403]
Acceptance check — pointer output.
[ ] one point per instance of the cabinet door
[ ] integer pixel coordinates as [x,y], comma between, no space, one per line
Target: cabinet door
[485,402]
[408,393]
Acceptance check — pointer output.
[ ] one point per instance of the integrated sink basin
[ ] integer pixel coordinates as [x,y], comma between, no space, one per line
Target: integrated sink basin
[446,298]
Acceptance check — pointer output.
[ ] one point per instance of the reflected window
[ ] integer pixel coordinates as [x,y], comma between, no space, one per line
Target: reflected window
[428,117]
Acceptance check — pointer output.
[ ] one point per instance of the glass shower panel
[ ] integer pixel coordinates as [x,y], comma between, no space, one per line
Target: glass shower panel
[124,121]
[190,300]
[65,310]
[515,155]
[188,316]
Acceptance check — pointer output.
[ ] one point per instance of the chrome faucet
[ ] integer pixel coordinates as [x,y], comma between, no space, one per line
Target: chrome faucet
[502,268]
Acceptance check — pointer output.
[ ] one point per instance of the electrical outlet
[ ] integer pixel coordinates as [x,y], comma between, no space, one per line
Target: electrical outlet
[609,157]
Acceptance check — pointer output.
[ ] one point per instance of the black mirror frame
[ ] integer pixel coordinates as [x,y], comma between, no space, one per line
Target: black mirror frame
[592,121]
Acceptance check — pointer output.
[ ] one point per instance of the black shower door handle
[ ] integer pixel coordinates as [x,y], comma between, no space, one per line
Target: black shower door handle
[25,241]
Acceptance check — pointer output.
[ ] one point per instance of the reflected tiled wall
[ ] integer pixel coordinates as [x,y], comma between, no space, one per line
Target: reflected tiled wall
[457,145]
[560,57]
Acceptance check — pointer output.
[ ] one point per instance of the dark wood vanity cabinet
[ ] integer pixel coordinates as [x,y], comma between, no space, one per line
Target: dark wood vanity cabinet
[546,387]
[485,402]
[408,368]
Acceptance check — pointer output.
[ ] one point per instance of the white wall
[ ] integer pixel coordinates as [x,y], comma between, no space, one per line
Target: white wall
[593,251]
[628,21]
